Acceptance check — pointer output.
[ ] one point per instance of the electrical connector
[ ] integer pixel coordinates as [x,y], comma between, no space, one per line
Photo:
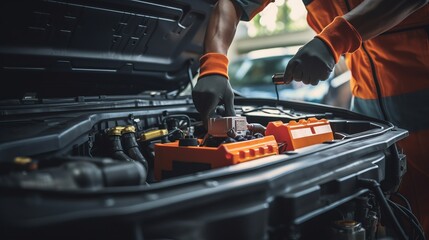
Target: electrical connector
[227,126]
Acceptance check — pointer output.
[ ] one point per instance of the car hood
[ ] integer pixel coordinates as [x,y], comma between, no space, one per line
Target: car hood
[101,47]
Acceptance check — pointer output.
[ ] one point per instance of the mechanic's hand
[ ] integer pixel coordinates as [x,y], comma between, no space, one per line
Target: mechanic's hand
[210,91]
[312,63]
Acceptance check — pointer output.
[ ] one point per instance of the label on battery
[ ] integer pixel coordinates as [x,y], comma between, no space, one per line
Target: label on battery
[241,124]
[322,129]
[300,133]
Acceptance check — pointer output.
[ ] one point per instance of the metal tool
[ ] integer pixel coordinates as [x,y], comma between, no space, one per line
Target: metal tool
[278,79]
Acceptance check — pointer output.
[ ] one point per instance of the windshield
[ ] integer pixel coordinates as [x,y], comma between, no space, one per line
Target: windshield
[252,77]
[252,72]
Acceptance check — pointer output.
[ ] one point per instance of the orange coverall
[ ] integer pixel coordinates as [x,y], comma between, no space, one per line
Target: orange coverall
[390,80]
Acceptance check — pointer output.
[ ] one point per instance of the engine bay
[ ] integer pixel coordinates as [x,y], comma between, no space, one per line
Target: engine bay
[155,140]
[100,140]
[298,163]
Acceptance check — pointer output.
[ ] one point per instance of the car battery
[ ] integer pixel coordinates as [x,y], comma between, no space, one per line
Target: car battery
[300,134]
[173,160]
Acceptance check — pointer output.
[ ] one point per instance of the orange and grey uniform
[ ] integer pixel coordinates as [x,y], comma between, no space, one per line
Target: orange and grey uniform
[390,80]
[250,8]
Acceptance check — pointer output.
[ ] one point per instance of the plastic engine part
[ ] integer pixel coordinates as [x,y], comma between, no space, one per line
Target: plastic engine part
[169,157]
[300,134]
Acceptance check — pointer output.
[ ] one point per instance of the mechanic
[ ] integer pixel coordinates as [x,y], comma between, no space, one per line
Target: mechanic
[386,46]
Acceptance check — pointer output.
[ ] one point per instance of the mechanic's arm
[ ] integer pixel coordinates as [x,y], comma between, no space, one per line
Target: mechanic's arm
[384,15]
[316,59]
[222,26]
[213,86]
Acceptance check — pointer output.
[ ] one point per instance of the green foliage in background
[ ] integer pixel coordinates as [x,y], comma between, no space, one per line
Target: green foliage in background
[283,23]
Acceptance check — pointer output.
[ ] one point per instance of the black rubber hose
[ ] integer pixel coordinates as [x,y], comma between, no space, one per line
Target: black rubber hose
[374,186]
[117,150]
[409,216]
[79,175]
[131,147]
[402,198]
[124,174]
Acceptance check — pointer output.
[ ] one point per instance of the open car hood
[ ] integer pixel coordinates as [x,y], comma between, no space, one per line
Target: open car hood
[86,154]
[79,47]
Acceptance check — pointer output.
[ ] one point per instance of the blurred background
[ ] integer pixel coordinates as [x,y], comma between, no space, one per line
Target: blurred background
[264,45]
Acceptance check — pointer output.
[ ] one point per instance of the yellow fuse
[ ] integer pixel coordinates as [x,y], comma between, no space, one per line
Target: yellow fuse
[22,160]
[153,134]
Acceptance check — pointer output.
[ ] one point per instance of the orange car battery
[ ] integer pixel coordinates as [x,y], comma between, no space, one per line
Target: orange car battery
[174,160]
[300,134]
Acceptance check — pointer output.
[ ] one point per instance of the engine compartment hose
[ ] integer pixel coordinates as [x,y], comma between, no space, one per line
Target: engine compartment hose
[374,186]
[117,149]
[131,146]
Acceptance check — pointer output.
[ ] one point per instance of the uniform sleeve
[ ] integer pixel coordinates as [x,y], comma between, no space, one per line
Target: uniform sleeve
[251,7]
